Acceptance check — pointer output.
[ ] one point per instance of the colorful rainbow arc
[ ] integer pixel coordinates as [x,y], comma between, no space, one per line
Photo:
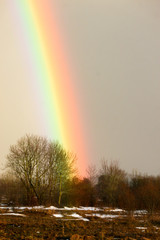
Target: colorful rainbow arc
[54,76]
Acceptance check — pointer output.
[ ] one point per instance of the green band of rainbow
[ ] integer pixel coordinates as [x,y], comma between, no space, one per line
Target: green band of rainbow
[53,76]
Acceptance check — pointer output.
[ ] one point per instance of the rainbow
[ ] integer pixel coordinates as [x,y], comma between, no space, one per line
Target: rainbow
[45,49]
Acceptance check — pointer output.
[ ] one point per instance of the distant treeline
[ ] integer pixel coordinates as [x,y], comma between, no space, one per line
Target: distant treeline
[42,172]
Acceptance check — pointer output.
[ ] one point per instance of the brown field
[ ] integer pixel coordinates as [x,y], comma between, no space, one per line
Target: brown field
[43,224]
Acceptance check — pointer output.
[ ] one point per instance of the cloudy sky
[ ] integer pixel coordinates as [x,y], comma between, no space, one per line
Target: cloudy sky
[115,47]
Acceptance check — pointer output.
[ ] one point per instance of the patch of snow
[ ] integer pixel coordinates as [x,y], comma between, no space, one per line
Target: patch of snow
[75,215]
[28,208]
[58,215]
[142,228]
[6,208]
[38,207]
[51,208]
[77,219]
[20,208]
[89,208]
[113,209]
[13,214]
[69,209]
[85,219]
[102,215]
[117,210]
[23,208]
[140,212]
[156,227]
[78,216]
[109,216]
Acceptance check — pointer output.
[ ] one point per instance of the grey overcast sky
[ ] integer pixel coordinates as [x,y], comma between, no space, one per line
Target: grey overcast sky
[115,47]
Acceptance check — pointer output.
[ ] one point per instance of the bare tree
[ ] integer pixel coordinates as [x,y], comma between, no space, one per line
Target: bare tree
[92,174]
[39,164]
[110,177]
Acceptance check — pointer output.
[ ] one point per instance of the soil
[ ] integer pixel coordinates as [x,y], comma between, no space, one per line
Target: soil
[43,225]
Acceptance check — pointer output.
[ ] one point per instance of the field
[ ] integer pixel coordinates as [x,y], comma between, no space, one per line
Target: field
[77,223]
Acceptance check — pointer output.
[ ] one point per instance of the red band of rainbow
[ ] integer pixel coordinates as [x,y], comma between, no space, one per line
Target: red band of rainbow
[54,79]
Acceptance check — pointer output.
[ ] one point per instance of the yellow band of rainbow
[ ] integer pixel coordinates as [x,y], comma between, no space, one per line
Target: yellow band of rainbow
[53,76]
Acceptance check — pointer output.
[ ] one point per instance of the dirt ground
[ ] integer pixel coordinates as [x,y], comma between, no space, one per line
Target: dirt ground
[43,225]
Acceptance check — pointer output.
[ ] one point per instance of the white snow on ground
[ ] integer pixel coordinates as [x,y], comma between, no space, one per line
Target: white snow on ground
[108,216]
[58,215]
[142,228]
[39,207]
[84,219]
[140,212]
[20,208]
[51,208]
[116,210]
[28,208]
[70,208]
[79,217]
[24,208]
[89,208]
[156,227]
[102,215]
[6,208]
[13,214]
[81,208]
[109,209]
[75,215]
[106,212]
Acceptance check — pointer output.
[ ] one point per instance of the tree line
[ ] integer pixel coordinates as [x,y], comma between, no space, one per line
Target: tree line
[43,172]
